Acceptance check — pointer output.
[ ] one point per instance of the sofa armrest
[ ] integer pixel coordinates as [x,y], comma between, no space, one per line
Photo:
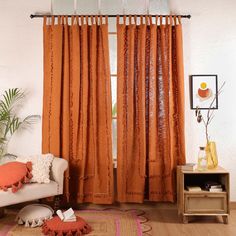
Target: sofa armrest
[58,168]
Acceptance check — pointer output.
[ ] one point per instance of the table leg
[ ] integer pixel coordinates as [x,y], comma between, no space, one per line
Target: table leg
[225,219]
[185,219]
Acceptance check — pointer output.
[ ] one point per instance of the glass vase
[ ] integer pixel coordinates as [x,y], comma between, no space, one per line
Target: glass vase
[212,160]
[202,159]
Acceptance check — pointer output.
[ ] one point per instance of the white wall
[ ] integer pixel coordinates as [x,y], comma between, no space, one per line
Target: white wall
[209,47]
[21,63]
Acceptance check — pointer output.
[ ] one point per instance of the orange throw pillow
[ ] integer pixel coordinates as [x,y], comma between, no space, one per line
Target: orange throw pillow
[14,175]
[56,227]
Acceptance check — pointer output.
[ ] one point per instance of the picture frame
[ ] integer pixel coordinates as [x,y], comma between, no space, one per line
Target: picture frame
[203,89]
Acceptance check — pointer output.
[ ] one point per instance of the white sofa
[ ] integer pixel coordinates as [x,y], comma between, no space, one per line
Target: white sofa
[33,191]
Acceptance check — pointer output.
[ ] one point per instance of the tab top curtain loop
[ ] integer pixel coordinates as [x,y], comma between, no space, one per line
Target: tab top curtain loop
[148,20]
[79,20]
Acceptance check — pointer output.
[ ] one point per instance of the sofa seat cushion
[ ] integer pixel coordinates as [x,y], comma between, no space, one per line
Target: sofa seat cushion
[14,174]
[29,192]
[34,215]
[56,226]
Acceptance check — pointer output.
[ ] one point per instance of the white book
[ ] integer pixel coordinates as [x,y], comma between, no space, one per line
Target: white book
[216,190]
[60,214]
[216,186]
[67,216]
[71,219]
[189,166]
[194,188]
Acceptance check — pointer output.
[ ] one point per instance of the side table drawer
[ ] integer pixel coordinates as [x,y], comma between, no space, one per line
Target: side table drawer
[211,203]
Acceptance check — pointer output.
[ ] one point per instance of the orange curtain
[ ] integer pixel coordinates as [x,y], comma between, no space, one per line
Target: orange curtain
[150,109]
[77,105]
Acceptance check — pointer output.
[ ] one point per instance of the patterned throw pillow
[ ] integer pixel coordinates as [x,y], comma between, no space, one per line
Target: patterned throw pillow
[14,174]
[41,165]
[34,215]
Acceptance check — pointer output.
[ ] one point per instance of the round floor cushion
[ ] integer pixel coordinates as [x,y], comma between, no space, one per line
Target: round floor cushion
[14,174]
[34,215]
[56,227]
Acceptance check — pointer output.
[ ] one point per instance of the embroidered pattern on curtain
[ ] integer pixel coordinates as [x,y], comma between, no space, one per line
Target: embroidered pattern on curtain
[150,111]
[77,105]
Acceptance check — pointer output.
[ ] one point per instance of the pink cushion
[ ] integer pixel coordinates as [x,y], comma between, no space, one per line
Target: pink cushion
[56,227]
[14,175]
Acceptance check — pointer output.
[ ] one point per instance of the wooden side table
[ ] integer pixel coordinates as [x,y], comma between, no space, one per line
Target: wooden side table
[202,203]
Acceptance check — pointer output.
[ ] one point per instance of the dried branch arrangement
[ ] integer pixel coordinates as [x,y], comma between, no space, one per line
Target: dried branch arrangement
[210,113]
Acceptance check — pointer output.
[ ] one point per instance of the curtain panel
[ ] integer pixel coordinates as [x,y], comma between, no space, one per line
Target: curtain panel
[77,105]
[150,112]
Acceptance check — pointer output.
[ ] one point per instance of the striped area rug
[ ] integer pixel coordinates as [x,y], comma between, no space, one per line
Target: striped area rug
[108,222]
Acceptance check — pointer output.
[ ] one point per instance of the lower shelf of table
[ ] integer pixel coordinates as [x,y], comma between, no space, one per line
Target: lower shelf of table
[205,214]
[224,216]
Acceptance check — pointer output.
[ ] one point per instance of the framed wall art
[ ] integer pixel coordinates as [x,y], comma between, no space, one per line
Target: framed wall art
[203,89]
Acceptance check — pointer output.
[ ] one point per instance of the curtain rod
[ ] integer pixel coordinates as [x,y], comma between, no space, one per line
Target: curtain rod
[40,16]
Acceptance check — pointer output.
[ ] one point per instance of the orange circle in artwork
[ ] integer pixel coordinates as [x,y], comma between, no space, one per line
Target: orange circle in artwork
[204,93]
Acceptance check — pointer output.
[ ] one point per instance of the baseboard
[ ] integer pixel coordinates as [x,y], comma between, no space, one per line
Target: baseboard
[145,205]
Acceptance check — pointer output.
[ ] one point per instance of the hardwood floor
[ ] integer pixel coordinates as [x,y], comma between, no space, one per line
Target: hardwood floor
[164,220]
